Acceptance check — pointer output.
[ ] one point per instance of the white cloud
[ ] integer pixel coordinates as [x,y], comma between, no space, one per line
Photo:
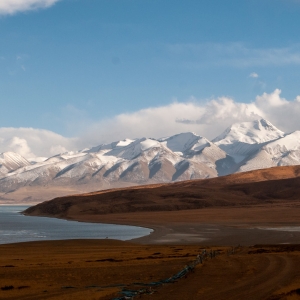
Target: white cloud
[279,111]
[253,75]
[18,145]
[30,142]
[10,7]
[208,119]
[269,101]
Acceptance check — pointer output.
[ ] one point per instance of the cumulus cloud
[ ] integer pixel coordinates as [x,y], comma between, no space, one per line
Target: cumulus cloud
[279,111]
[208,119]
[18,145]
[30,142]
[10,7]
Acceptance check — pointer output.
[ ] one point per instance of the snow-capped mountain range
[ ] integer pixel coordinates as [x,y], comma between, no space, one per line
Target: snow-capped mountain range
[241,147]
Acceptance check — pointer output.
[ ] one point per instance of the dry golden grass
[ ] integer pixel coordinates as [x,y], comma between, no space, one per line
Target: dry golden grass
[84,269]
[91,269]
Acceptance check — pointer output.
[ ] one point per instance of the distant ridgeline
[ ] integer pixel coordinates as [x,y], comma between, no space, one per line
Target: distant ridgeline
[241,147]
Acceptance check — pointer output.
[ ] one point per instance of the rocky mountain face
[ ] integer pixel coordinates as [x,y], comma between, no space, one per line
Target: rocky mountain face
[241,147]
[10,161]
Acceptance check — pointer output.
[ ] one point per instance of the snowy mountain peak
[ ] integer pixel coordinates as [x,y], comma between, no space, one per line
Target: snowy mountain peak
[243,139]
[10,161]
[267,125]
[107,147]
[130,149]
[125,142]
[13,157]
[183,142]
[254,132]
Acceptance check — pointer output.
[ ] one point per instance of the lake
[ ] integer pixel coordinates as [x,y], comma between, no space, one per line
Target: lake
[15,227]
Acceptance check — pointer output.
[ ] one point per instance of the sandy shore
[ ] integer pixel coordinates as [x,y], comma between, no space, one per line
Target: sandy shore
[214,226]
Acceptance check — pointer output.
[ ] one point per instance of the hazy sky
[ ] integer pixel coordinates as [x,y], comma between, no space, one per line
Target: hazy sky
[99,70]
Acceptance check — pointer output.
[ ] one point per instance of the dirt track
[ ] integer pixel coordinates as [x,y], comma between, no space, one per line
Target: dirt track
[238,276]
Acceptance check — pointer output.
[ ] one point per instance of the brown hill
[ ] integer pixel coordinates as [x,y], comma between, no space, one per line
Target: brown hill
[242,189]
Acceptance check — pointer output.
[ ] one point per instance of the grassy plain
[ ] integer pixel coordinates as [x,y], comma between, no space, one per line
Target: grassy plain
[100,269]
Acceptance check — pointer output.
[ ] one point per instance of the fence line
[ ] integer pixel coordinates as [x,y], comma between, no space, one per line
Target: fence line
[130,294]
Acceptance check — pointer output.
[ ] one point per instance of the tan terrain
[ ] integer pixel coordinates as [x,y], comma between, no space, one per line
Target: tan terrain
[97,269]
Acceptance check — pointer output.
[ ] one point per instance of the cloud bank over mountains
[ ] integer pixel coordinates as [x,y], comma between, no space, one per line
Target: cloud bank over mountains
[206,119]
[10,7]
[30,142]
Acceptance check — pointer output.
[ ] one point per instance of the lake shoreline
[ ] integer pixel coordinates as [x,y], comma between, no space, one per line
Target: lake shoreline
[17,227]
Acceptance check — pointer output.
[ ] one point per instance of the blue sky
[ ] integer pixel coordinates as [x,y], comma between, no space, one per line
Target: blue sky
[66,65]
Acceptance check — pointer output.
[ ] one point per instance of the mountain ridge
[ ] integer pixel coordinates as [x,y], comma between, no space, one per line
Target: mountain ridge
[241,147]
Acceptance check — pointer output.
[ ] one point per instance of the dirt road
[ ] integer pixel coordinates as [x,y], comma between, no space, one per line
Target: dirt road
[239,276]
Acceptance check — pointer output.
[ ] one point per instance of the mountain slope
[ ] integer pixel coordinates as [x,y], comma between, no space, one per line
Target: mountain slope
[10,161]
[241,147]
[284,151]
[137,161]
[256,187]
[243,139]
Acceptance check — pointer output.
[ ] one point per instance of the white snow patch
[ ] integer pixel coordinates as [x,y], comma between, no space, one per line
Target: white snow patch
[125,142]
[148,143]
